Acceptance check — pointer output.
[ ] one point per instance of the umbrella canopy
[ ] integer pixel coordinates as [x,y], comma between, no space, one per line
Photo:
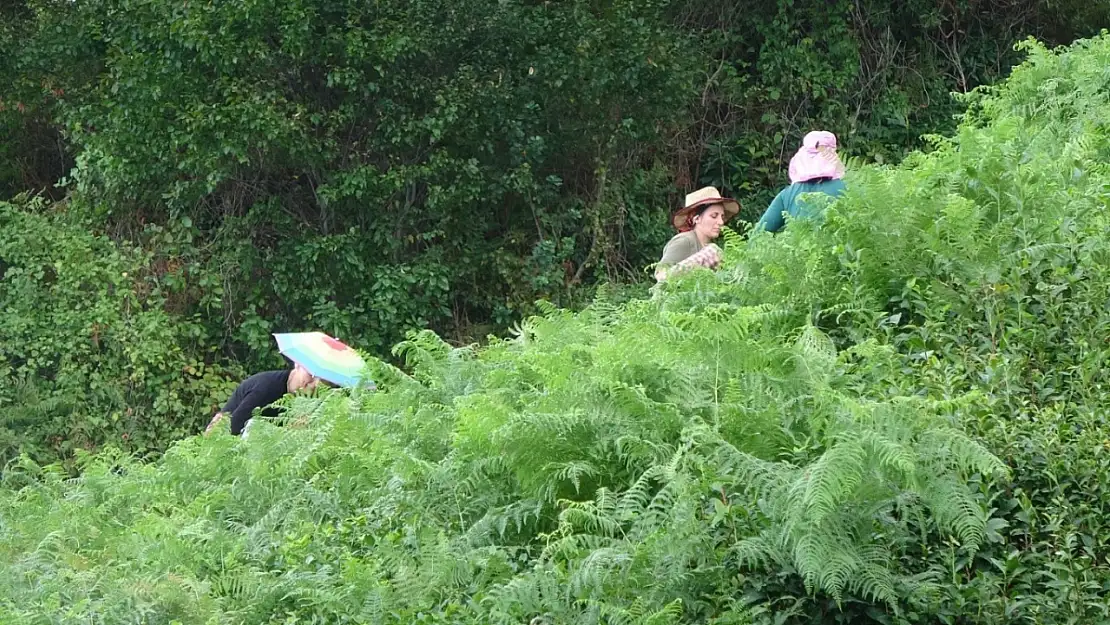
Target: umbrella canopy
[323,356]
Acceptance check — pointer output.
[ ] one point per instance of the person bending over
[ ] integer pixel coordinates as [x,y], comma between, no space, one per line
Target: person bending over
[260,391]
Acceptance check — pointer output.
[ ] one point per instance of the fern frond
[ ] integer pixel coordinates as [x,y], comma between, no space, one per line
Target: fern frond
[833,478]
[591,573]
[756,552]
[956,511]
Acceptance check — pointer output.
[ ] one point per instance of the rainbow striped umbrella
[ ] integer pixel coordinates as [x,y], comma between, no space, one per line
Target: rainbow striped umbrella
[323,356]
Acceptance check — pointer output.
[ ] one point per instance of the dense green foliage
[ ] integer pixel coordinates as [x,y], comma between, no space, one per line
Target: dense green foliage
[94,345]
[366,168]
[895,417]
[371,168]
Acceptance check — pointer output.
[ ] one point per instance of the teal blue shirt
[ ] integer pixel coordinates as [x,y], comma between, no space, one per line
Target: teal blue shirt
[787,202]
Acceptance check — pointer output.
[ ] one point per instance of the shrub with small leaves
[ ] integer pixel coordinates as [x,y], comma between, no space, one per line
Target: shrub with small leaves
[90,348]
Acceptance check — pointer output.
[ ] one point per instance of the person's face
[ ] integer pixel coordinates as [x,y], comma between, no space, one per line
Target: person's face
[708,223]
[300,378]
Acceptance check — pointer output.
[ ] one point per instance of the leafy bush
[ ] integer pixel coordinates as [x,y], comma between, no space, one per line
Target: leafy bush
[370,168]
[983,263]
[896,416]
[90,348]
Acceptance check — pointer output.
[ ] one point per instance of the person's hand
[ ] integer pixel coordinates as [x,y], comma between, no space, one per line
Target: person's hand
[212,424]
[712,258]
[709,256]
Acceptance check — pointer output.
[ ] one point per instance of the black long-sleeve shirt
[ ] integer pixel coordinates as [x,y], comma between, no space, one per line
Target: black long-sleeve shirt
[258,391]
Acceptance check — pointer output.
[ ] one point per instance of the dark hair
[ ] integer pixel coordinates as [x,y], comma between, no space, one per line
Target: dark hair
[698,210]
[293,365]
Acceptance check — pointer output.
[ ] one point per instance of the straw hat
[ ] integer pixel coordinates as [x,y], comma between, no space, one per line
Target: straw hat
[702,197]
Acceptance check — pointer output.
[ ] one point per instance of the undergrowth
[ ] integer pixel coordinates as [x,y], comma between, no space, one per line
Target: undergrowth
[896,416]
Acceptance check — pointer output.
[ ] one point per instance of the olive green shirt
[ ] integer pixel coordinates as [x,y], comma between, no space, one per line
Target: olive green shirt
[679,248]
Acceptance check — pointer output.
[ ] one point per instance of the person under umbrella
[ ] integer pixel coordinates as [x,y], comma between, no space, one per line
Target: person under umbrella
[815,168]
[318,358]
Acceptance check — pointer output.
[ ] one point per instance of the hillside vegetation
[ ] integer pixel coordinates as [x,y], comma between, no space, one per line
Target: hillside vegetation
[897,417]
[186,178]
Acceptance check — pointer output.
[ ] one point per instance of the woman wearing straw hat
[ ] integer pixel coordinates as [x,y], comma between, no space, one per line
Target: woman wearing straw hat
[699,223]
[815,168]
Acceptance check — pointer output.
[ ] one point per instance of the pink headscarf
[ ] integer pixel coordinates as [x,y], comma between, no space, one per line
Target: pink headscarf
[816,158]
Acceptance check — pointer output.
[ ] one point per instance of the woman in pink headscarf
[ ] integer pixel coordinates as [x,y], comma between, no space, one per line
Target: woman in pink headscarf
[816,168]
